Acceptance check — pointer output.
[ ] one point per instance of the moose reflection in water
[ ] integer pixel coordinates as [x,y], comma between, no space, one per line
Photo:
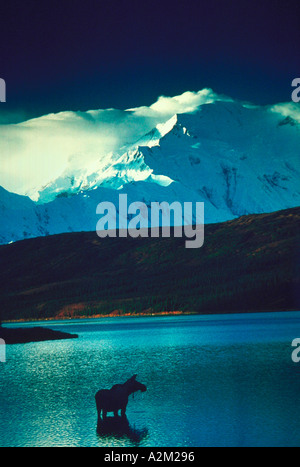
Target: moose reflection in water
[116,398]
[113,428]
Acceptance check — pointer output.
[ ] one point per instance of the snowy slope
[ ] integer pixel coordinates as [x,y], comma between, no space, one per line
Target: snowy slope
[237,158]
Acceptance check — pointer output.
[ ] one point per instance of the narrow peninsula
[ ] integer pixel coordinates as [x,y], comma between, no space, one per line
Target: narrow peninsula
[32,334]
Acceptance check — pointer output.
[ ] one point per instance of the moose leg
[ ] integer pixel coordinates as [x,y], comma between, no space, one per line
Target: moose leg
[99,408]
[123,411]
[104,414]
[99,417]
[116,413]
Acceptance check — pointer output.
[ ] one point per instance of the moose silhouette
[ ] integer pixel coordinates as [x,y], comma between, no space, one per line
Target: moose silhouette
[116,398]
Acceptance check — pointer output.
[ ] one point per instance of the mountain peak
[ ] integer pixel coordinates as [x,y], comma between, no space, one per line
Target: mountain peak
[164,128]
[237,158]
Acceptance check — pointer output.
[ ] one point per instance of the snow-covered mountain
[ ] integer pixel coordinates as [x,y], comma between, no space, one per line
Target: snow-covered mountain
[237,158]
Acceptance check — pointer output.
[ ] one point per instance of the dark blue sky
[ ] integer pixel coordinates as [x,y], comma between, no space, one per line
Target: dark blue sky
[79,55]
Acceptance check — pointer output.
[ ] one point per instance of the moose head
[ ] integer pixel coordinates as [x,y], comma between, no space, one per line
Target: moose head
[132,385]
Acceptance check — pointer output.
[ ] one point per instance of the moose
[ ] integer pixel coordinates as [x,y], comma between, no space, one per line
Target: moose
[116,398]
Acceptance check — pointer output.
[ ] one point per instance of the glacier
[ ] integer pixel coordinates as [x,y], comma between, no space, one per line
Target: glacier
[236,157]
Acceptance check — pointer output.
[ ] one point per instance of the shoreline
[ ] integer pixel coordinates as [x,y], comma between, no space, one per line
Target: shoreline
[141,315]
[100,316]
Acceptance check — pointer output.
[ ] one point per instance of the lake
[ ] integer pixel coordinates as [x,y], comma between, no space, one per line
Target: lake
[222,380]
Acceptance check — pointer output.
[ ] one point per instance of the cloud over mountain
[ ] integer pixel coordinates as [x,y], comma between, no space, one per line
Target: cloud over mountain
[34,152]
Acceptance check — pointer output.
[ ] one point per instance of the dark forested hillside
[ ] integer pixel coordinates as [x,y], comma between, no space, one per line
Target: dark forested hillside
[249,264]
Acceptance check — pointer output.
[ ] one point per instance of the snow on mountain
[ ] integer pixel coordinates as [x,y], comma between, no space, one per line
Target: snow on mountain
[113,170]
[237,158]
[36,153]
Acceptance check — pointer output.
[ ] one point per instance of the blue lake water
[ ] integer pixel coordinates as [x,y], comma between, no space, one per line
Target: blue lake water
[212,381]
